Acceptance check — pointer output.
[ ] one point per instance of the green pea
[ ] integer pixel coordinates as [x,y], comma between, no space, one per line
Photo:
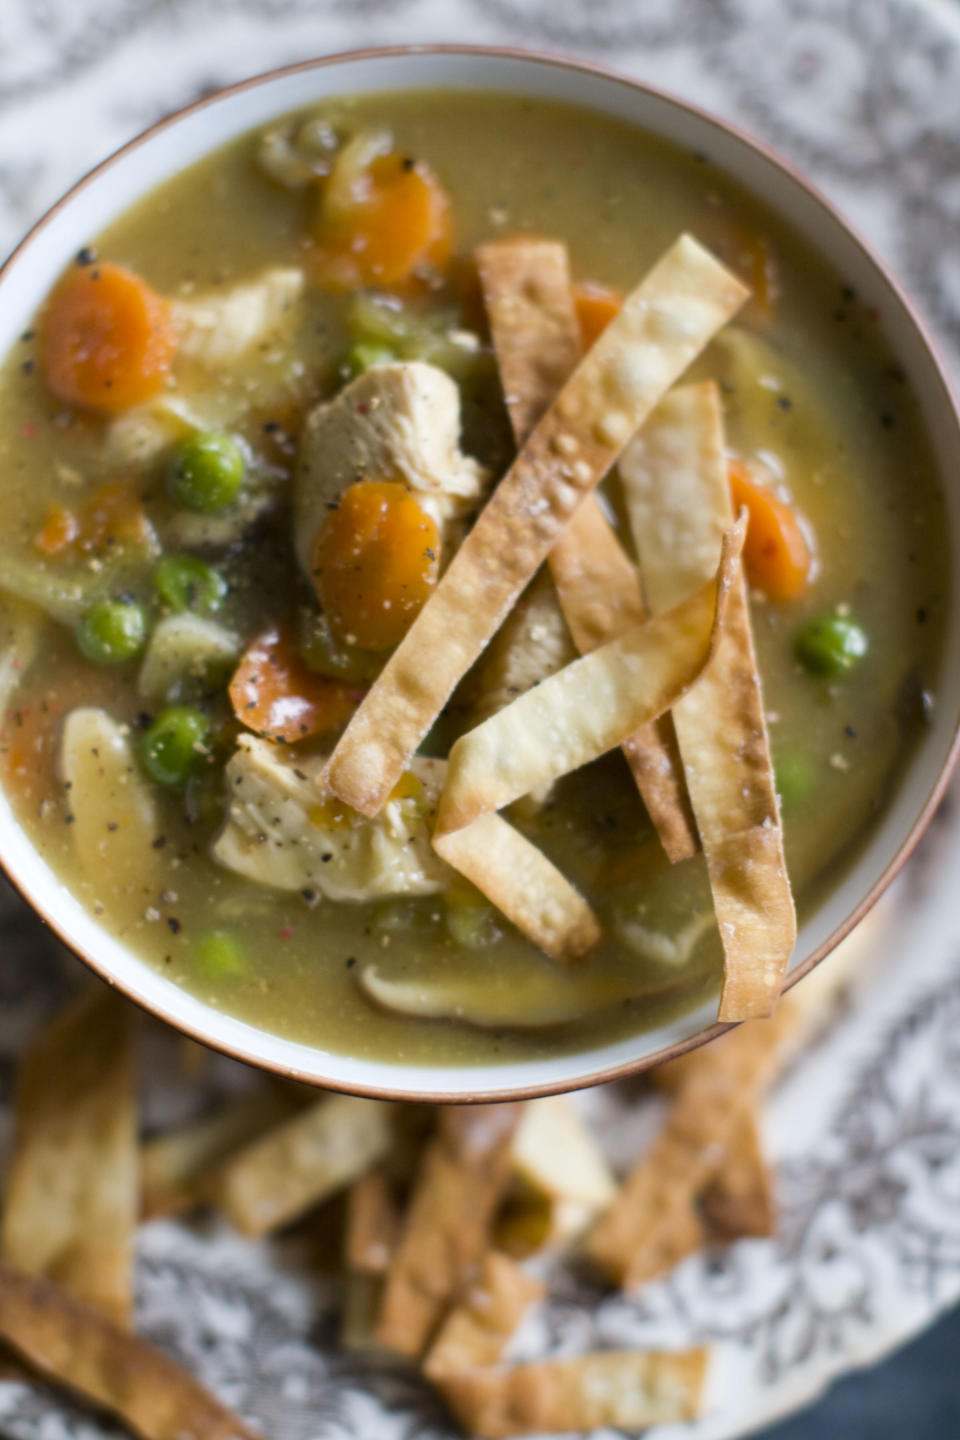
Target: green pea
[364,354]
[218,955]
[175,744]
[112,631]
[795,778]
[185,583]
[830,645]
[206,472]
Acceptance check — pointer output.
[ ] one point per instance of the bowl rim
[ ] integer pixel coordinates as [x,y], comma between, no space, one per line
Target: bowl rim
[630,1067]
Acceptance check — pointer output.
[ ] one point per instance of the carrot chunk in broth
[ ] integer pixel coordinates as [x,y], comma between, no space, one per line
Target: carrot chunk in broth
[375,563]
[108,340]
[112,514]
[596,306]
[776,555]
[274,694]
[398,223]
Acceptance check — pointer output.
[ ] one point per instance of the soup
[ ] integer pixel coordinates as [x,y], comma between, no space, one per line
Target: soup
[203,583]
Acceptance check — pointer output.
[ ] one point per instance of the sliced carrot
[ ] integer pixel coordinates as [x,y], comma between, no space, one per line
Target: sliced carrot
[397,224]
[375,563]
[58,531]
[776,555]
[111,515]
[273,693]
[596,306]
[108,341]
[30,731]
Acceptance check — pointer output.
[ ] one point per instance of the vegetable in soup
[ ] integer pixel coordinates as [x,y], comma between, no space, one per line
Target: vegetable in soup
[245,439]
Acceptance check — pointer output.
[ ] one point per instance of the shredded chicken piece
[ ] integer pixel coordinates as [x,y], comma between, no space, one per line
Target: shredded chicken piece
[285,829]
[534,642]
[221,326]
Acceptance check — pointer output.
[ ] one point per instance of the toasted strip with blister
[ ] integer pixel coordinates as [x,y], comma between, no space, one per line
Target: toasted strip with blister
[719,1086]
[536,337]
[587,708]
[462,1176]
[174,1165]
[522,883]
[301,1162]
[620,1389]
[662,327]
[72,1344]
[677,492]
[479,1328]
[72,1190]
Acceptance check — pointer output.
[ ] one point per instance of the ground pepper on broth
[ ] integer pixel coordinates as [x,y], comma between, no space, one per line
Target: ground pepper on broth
[124,528]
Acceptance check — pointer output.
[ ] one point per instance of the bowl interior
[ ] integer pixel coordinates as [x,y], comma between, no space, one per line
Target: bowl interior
[184,139]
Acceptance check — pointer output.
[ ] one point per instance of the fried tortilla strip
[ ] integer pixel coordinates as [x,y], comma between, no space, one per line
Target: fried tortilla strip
[302,1161]
[588,707]
[678,497]
[739,1201]
[174,1166]
[72,1191]
[522,883]
[477,1331]
[462,1176]
[630,1242]
[619,1389]
[372,1226]
[529,302]
[72,1344]
[661,328]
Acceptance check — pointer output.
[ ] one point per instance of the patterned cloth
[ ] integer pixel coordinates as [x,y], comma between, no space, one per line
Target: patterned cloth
[865,96]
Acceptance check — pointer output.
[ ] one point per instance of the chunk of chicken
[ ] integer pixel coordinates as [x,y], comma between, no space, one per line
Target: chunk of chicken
[533,642]
[222,326]
[114,817]
[285,829]
[398,421]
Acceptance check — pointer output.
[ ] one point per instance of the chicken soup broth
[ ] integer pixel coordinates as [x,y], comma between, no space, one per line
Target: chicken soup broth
[204,571]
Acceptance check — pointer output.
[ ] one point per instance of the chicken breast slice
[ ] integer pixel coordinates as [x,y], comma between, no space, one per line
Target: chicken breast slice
[222,326]
[394,421]
[284,829]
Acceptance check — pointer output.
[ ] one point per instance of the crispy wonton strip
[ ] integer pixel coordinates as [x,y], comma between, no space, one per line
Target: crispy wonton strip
[663,325]
[631,1240]
[675,481]
[372,1225]
[522,883]
[174,1166]
[72,1191]
[301,1162]
[477,1331]
[587,708]
[462,1176]
[740,1199]
[615,1389]
[536,336]
[73,1345]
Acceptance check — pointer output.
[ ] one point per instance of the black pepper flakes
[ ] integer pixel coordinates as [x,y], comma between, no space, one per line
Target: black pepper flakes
[159,843]
[351,961]
[849,731]
[87,256]
[784,402]
[922,614]
[174,925]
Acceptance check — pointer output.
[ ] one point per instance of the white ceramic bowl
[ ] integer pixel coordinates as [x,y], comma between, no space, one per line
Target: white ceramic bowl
[190,134]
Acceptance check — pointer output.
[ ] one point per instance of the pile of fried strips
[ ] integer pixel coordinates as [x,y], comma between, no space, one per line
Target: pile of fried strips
[449,1222]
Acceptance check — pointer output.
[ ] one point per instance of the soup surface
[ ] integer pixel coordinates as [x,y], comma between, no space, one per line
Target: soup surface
[148,545]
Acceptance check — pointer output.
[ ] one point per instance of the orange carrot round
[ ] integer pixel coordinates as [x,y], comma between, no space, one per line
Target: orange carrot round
[375,563]
[596,306]
[108,341]
[776,555]
[274,694]
[397,223]
[112,514]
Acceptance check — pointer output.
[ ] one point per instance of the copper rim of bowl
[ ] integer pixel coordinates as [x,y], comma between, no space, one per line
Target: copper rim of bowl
[626,1068]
